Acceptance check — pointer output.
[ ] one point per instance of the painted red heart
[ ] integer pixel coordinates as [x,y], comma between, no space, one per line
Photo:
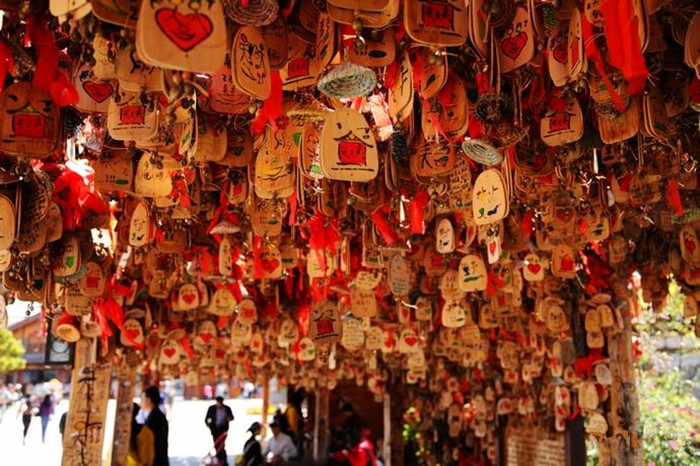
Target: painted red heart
[690,246]
[270,265]
[256,344]
[534,268]
[512,46]
[559,53]
[219,354]
[169,352]
[185,31]
[188,298]
[99,92]
[206,336]
[492,247]
[133,333]
[410,341]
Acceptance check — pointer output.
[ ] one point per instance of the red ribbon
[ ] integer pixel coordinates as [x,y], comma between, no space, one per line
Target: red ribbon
[48,76]
[622,39]
[7,62]
[673,196]
[386,231]
[271,109]
[417,211]
[593,53]
[77,197]
[527,223]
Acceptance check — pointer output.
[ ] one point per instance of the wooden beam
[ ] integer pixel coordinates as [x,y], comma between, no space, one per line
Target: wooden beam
[387,429]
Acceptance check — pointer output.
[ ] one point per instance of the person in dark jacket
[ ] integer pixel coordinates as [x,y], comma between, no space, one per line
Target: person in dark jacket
[46,410]
[158,424]
[217,419]
[252,451]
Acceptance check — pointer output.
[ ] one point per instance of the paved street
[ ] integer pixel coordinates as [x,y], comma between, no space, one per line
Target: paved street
[189,438]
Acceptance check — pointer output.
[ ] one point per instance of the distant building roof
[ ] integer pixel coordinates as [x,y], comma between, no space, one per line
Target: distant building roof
[23,323]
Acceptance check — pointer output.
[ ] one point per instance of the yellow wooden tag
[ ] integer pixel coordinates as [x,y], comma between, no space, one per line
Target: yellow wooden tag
[182,36]
[250,63]
[140,226]
[490,202]
[472,273]
[348,149]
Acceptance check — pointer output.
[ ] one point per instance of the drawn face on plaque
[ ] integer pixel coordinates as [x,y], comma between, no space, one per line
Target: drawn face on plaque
[222,302]
[29,121]
[140,226]
[444,236]
[169,352]
[274,170]
[533,271]
[70,258]
[472,273]
[289,332]
[188,297]
[489,203]
[689,244]
[183,36]
[348,148]
[307,349]
[270,261]
[132,333]
[92,283]
[251,63]
[309,151]
[206,333]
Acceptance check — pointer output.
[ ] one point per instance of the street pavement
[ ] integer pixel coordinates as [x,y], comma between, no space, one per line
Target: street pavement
[189,438]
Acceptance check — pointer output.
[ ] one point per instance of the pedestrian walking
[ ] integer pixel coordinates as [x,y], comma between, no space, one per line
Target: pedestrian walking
[252,451]
[27,410]
[46,409]
[157,423]
[217,419]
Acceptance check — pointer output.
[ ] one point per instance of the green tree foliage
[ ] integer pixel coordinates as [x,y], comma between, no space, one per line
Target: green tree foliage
[11,352]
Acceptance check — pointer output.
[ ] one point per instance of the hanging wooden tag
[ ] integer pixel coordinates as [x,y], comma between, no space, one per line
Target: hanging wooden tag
[444,236]
[129,119]
[353,335]
[377,50]
[114,173]
[250,63]
[271,261]
[54,223]
[224,97]
[152,177]
[169,353]
[453,314]
[274,170]
[690,249]
[29,121]
[442,23]
[93,282]
[401,92]
[472,273]
[8,223]
[182,36]
[93,93]
[77,304]
[188,297]
[399,276]
[348,149]
[517,45]
[490,202]
[325,326]
[140,226]
[276,38]
[69,262]
[363,302]
[222,303]
[575,60]
[307,350]
[117,12]
[563,262]
[557,58]
[132,333]
[135,76]
[533,270]
[310,158]
[563,124]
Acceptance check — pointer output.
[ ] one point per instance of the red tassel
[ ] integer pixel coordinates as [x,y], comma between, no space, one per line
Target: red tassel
[673,196]
[624,48]
[185,344]
[48,76]
[593,53]
[390,75]
[271,109]
[258,270]
[527,223]
[384,228]
[417,210]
